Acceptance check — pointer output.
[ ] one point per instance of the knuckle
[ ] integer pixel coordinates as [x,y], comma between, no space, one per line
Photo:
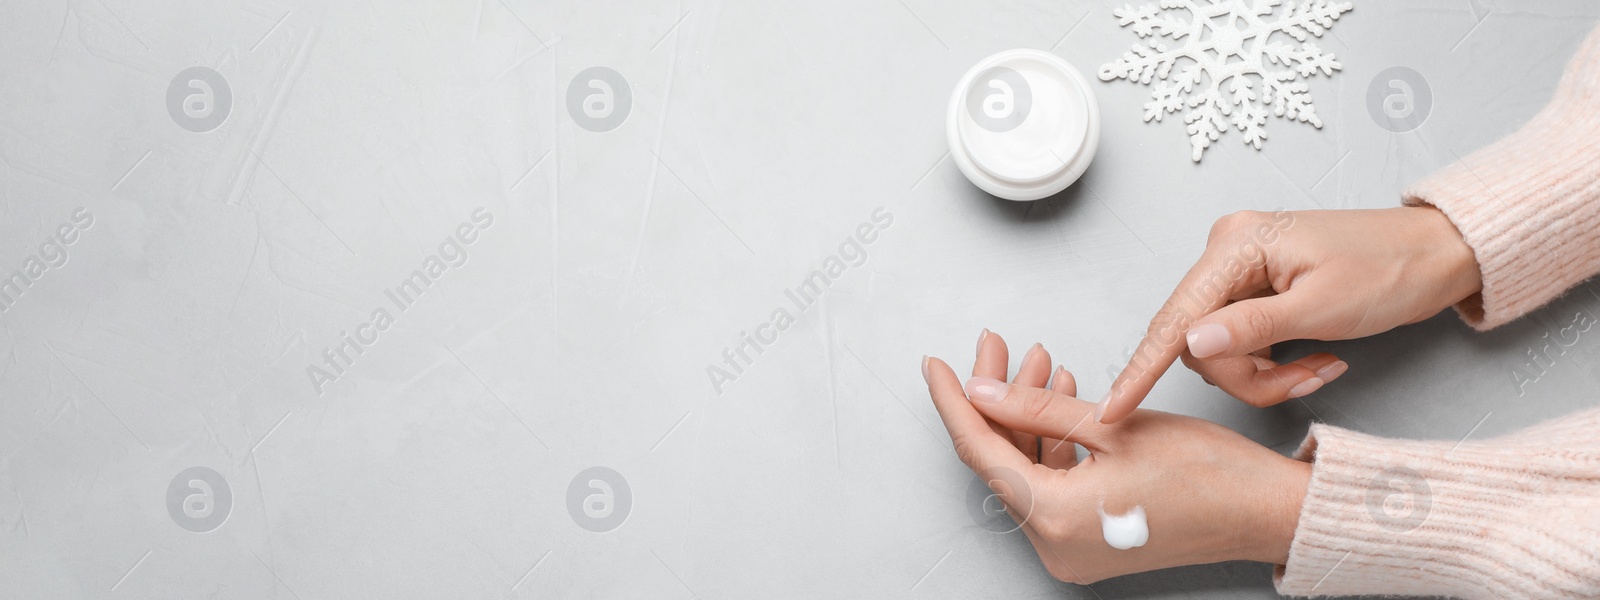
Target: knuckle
[1172,316]
[1035,404]
[1234,223]
[1165,329]
[1258,323]
[1054,529]
[1220,228]
[965,450]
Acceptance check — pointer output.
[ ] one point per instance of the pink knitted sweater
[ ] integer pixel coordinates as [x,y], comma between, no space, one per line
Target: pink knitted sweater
[1513,517]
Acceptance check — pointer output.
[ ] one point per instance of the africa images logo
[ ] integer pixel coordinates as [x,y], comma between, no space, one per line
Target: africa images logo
[852,254]
[52,254]
[452,254]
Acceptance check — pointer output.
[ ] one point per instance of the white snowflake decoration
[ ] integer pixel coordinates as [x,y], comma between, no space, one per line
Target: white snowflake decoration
[1229,45]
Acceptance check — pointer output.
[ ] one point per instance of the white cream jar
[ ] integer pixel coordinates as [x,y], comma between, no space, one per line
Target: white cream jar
[1023,124]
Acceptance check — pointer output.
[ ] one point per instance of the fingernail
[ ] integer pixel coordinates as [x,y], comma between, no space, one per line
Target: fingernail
[1032,350]
[1100,409]
[1058,379]
[981,337]
[1304,388]
[1209,340]
[984,389]
[925,377]
[1333,371]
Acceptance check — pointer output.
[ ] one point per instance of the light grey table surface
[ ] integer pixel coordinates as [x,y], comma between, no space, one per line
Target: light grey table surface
[577,333]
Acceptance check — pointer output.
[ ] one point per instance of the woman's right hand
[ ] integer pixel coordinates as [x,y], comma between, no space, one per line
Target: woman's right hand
[1266,278]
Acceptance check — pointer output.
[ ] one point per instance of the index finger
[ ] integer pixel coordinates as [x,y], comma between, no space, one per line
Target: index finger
[1223,272]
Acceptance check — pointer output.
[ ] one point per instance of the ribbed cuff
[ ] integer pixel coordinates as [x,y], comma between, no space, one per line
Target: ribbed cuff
[1529,205]
[1515,517]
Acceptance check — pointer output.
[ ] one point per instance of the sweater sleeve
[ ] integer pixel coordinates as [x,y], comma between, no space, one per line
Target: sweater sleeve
[1529,204]
[1512,517]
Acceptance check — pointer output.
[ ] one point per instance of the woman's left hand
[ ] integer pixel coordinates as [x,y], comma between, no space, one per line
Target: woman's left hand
[1210,494]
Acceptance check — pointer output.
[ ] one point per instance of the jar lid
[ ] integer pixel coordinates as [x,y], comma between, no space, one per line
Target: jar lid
[1023,124]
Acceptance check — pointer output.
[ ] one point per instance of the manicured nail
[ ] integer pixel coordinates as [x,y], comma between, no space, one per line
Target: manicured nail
[981,337]
[925,377]
[1333,371]
[1100,409]
[1304,388]
[984,389]
[1061,380]
[1032,350]
[1209,340]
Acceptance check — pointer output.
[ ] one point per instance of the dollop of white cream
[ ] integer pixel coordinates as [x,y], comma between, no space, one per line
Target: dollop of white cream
[1124,531]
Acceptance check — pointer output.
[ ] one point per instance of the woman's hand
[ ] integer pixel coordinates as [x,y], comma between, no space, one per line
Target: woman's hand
[1270,277]
[1210,495]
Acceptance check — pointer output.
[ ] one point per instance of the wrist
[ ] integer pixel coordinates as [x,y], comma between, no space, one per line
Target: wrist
[1281,513]
[1460,275]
